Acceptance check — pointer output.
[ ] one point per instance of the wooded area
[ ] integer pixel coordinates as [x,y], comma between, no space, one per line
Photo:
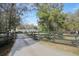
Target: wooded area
[51,18]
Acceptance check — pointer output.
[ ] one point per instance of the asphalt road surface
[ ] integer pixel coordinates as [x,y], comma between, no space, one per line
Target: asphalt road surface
[26,46]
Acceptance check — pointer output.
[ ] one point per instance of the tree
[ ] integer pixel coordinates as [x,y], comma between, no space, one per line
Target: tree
[50,16]
[72,21]
[11,14]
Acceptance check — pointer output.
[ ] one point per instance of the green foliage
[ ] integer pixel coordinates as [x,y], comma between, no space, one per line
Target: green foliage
[42,15]
[72,21]
[51,18]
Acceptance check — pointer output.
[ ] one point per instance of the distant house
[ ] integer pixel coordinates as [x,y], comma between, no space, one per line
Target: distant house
[27,28]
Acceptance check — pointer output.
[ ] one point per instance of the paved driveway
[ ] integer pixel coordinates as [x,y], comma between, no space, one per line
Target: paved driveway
[25,46]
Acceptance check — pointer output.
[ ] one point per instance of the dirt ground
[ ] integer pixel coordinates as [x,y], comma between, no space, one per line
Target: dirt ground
[66,48]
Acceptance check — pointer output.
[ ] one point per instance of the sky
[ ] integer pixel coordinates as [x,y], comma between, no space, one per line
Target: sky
[70,7]
[31,18]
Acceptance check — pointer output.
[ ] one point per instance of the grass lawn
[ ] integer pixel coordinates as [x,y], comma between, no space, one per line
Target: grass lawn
[67,48]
